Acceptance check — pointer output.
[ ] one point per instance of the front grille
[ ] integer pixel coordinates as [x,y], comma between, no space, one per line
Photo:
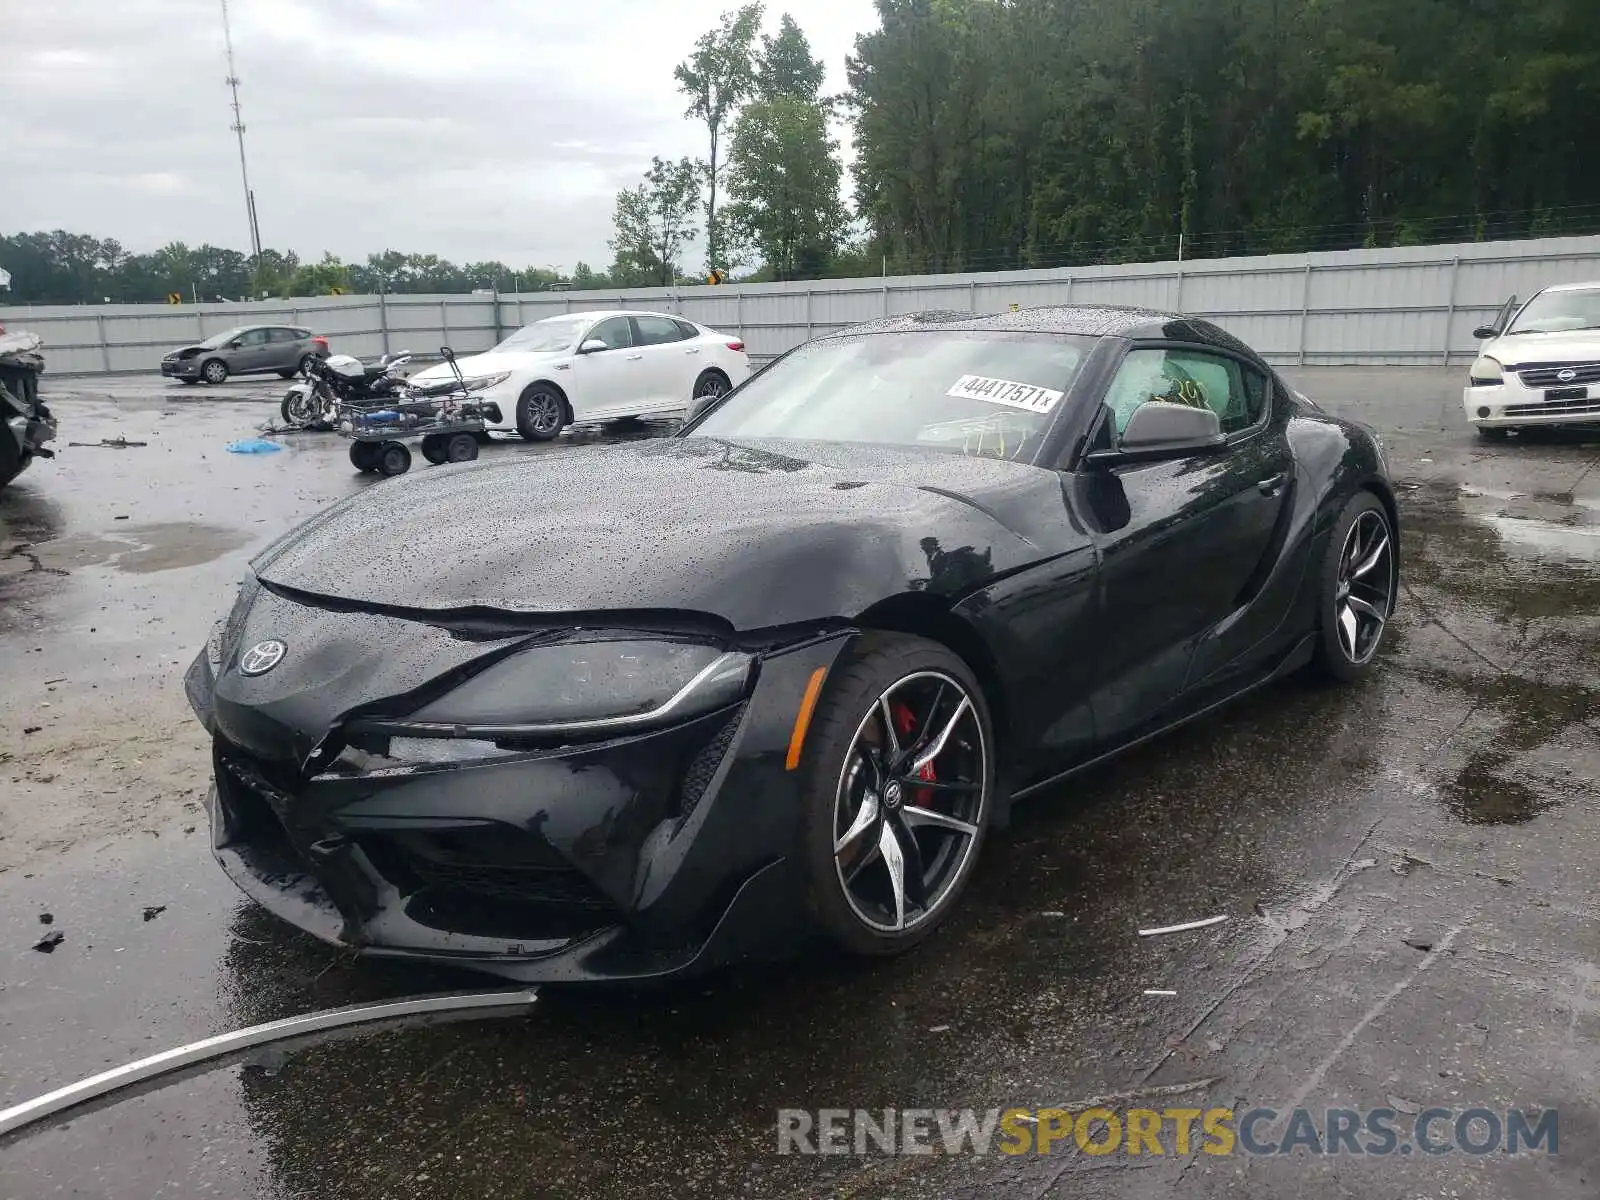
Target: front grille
[1546,375]
[490,882]
[1569,407]
[256,794]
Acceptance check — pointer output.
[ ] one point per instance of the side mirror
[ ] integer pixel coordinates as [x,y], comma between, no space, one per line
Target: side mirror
[236,343]
[1158,430]
[1484,332]
[592,346]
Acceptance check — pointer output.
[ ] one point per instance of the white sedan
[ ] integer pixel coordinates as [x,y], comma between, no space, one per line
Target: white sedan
[1539,365]
[597,366]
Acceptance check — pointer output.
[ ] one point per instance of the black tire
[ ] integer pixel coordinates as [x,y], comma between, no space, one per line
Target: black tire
[286,374]
[214,370]
[711,385]
[364,456]
[881,663]
[10,458]
[541,413]
[393,458]
[460,447]
[1347,652]
[1491,433]
[433,448]
[293,414]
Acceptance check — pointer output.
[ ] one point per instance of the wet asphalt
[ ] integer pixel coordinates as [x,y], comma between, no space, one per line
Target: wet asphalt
[1408,866]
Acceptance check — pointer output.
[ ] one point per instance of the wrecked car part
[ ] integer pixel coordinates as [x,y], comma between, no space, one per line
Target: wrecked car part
[26,424]
[180,1058]
[1184,927]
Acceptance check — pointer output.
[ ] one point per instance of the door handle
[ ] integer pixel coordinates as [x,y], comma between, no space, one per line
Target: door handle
[693,350]
[1271,486]
[635,357]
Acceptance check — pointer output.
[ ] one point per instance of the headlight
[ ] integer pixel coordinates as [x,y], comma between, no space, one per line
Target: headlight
[579,686]
[1486,372]
[449,386]
[483,383]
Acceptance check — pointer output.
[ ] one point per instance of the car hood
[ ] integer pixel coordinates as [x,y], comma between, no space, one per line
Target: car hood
[757,533]
[1519,349]
[489,363]
[192,348]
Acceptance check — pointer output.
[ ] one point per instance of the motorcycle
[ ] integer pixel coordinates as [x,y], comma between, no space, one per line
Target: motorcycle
[325,384]
[25,423]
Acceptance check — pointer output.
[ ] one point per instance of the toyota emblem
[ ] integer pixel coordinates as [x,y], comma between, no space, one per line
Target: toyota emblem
[1567,376]
[262,657]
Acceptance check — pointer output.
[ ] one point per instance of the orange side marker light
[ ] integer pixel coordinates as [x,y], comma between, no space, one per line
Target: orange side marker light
[802,719]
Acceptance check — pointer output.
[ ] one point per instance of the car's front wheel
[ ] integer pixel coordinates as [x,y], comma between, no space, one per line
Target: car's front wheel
[899,784]
[215,371]
[1491,433]
[541,413]
[1360,575]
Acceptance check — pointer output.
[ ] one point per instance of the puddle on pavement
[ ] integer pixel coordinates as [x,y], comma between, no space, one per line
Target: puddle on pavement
[1482,793]
[140,549]
[1526,555]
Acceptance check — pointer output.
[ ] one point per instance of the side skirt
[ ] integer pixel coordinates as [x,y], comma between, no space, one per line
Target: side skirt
[1291,662]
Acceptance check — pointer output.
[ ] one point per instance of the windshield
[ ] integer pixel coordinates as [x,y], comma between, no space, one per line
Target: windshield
[970,392]
[218,340]
[1559,312]
[554,333]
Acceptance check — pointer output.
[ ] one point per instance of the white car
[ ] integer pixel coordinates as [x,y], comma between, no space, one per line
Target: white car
[597,366]
[1539,364]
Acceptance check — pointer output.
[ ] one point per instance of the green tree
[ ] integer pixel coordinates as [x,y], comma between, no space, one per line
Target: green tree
[318,279]
[785,66]
[717,78]
[654,223]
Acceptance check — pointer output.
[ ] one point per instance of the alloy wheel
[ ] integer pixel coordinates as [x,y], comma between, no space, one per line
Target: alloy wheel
[544,411]
[711,388]
[909,802]
[1364,594]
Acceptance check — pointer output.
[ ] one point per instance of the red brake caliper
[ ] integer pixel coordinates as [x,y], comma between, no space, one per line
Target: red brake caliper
[906,724]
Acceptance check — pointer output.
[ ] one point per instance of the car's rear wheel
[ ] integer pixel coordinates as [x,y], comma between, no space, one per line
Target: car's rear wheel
[214,371]
[290,374]
[1360,575]
[541,413]
[712,385]
[898,788]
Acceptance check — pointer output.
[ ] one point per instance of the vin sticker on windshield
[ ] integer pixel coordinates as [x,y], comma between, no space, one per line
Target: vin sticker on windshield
[1005,391]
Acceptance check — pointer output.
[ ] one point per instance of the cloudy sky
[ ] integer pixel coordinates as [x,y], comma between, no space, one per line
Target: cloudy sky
[473,129]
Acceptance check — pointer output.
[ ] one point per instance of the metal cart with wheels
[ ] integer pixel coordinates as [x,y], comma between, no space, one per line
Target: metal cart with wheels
[449,427]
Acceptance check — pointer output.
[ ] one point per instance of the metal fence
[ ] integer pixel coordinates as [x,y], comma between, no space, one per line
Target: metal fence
[1408,305]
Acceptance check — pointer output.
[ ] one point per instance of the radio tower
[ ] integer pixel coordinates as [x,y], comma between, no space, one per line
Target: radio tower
[238,129]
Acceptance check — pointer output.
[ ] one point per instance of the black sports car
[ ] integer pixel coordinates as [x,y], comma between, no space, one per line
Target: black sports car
[631,711]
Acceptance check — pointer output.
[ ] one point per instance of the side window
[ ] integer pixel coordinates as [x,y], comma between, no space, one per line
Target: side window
[614,332]
[253,337]
[654,331]
[1190,377]
[281,335]
[688,330]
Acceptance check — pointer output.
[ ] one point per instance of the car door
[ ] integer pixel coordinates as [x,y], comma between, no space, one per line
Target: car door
[283,349]
[1183,541]
[671,364]
[611,382]
[251,351]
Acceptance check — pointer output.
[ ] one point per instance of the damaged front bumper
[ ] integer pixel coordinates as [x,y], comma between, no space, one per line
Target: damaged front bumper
[644,856]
